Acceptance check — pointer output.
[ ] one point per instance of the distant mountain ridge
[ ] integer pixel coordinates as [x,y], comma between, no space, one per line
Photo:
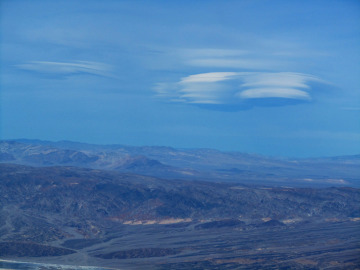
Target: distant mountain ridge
[205,164]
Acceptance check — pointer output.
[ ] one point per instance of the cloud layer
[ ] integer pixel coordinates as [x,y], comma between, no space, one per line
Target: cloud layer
[239,90]
[67,68]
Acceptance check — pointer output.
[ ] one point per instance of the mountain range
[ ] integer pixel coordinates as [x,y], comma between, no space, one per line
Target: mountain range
[200,164]
[124,207]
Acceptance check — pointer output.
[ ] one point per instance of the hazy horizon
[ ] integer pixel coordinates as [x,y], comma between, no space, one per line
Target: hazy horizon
[176,148]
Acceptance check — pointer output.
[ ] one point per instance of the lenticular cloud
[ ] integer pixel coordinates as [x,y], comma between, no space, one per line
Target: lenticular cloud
[240,89]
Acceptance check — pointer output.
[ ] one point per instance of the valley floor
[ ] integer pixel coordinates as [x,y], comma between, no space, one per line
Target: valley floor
[331,245]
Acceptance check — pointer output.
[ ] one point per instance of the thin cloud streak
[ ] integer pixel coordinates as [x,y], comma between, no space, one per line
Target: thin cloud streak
[67,68]
[208,77]
[283,79]
[274,93]
[235,63]
[253,58]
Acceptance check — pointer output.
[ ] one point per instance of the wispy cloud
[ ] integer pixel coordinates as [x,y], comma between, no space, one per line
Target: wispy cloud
[67,68]
[240,89]
[249,59]
[208,77]
[245,63]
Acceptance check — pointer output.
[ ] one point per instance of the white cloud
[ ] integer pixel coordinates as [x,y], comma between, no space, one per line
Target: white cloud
[67,68]
[238,88]
[280,79]
[269,92]
[208,77]
[200,93]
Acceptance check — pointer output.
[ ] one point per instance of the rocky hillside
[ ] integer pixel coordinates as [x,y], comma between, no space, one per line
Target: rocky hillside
[59,201]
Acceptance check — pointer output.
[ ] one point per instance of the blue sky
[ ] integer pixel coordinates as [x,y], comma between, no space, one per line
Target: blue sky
[277,78]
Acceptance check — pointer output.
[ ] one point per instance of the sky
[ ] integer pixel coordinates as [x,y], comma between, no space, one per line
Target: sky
[278,78]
